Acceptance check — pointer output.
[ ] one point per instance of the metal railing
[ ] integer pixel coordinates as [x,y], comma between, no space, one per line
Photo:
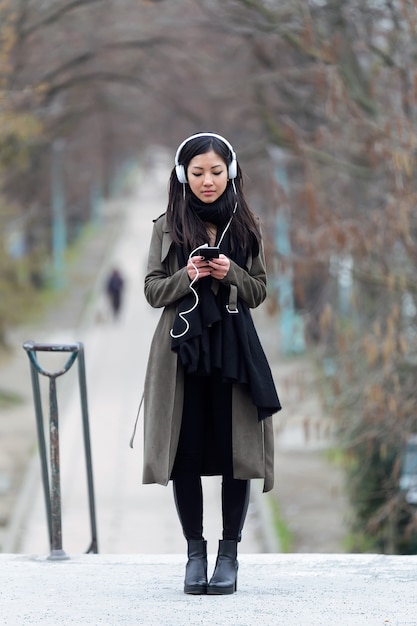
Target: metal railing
[52,479]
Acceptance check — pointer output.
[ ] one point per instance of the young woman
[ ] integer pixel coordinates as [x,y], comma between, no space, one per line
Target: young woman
[209,393]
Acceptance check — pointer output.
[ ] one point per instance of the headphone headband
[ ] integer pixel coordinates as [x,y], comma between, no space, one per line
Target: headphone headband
[180,170]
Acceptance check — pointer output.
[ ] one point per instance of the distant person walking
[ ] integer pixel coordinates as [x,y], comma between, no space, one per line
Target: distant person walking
[209,393]
[114,290]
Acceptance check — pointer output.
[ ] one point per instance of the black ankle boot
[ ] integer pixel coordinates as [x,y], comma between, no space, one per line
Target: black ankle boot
[196,568]
[224,579]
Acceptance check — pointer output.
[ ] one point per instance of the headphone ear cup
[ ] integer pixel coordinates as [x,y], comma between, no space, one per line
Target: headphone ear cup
[233,169]
[180,172]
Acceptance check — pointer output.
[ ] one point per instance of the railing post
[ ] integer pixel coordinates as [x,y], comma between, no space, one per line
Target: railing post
[52,481]
[87,447]
[56,522]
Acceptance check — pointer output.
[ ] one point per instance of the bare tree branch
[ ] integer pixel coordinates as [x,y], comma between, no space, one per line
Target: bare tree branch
[140,44]
[69,65]
[106,77]
[55,16]
[89,55]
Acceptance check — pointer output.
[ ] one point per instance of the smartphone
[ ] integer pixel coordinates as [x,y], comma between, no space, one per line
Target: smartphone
[207,252]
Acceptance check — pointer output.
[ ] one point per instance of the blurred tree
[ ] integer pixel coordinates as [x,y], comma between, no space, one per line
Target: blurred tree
[19,129]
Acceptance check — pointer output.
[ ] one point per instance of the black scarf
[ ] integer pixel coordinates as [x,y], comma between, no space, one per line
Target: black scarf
[217,212]
[217,339]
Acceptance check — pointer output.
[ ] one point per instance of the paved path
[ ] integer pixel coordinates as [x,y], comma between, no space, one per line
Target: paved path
[132,518]
[146,590]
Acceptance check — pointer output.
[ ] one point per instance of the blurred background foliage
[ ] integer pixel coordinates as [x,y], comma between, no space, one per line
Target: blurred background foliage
[319,99]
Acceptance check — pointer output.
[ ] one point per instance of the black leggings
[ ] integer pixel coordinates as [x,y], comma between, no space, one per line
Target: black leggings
[188,496]
[205,448]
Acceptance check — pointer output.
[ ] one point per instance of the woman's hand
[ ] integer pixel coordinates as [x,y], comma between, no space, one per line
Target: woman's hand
[216,268]
[201,264]
[219,267]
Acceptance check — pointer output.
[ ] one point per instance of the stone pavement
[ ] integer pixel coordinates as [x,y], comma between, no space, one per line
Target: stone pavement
[146,590]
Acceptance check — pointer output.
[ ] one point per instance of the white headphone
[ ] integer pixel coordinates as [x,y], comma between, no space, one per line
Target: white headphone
[180,170]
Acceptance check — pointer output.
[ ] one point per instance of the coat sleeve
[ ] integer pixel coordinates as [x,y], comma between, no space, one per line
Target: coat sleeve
[251,282]
[163,287]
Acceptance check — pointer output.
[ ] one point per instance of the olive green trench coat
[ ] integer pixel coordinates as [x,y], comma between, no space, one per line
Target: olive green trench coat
[165,284]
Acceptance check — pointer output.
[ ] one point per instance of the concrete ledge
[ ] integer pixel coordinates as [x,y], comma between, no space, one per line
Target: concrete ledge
[292,590]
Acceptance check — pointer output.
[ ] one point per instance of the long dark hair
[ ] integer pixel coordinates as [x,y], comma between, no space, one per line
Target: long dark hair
[186,227]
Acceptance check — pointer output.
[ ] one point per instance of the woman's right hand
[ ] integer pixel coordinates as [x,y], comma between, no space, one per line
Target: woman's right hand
[201,264]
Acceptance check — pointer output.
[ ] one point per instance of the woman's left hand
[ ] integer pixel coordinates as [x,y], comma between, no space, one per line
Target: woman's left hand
[219,267]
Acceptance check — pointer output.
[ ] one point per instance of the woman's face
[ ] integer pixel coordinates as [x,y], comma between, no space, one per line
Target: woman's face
[207,176]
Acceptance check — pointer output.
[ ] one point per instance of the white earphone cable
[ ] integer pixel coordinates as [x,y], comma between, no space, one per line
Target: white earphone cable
[183,313]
